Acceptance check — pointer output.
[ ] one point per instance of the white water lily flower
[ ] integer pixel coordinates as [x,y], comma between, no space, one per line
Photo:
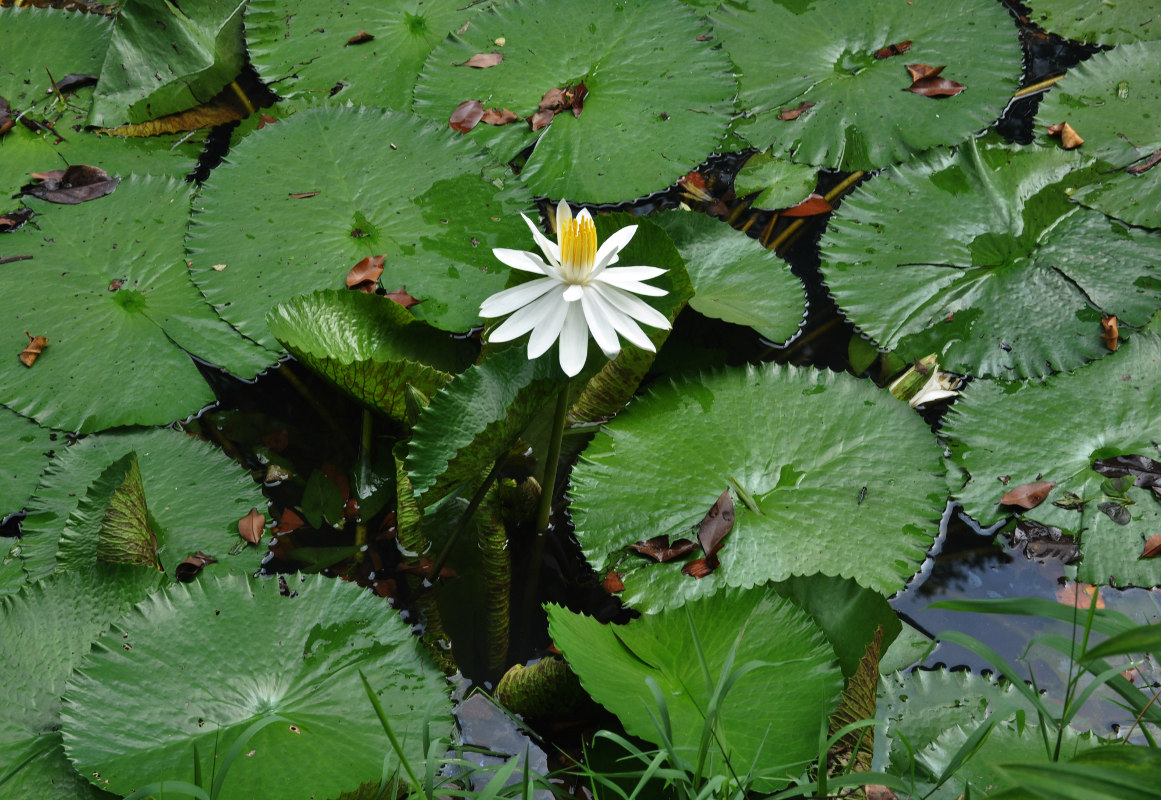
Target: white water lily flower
[579,293]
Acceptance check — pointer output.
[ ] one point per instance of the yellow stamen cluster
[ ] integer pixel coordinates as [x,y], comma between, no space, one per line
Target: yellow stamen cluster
[578,249]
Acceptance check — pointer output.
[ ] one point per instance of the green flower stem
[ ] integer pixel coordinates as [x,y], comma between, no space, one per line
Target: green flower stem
[466,519]
[364,468]
[544,512]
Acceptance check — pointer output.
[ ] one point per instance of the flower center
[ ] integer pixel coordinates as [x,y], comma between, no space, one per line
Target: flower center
[578,249]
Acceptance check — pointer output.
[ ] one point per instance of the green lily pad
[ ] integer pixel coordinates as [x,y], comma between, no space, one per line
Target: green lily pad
[386,184]
[133,723]
[1108,100]
[659,100]
[301,50]
[107,286]
[23,449]
[369,346]
[163,58]
[37,42]
[1005,437]
[778,182]
[770,719]
[1014,279]
[801,452]
[1102,23]
[862,115]
[45,631]
[734,278]
[195,495]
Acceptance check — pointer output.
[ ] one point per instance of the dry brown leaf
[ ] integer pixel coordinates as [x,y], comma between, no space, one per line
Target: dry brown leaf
[6,121]
[289,521]
[499,116]
[659,549]
[359,38]
[1069,139]
[1027,495]
[921,71]
[303,195]
[250,527]
[1146,165]
[14,219]
[483,60]
[612,583]
[789,114]
[893,50]
[578,95]
[1152,546]
[36,345]
[1079,595]
[699,568]
[716,525]
[187,570]
[1109,332]
[365,274]
[876,791]
[466,116]
[811,206]
[936,87]
[552,100]
[77,184]
[401,297]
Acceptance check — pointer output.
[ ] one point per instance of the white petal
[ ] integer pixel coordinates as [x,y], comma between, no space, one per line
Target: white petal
[600,326]
[622,323]
[573,293]
[607,252]
[509,300]
[546,331]
[522,260]
[615,277]
[636,273]
[634,307]
[523,320]
[563,217]
[550,248]
[574,341]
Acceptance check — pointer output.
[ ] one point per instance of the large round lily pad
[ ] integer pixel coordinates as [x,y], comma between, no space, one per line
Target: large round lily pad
[768,721]
[1102,23]
[23,448]
[45,630]
[107,286]
[1008,279]
[801,453]
[826,60]
[303,50]
[659,93]
[1110,101]
[199,664]
[303,200]
[1056,431]
[195,496]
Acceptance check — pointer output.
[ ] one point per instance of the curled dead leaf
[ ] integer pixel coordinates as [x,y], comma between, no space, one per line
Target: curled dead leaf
[1146,165]
[552,100]
[77,184]
[14,219]
[189,569]
[789,114]
[250,527]
[700,568]
[359,38]
[1069,139]
[1027,495]
[578,95]
[926,80]
[1109,332]
[541,119]
[659,549]
[401,297]
[893,50]
[365,274]
[612,583]
[466,116]
[921,71]
[813,205]
[303,195]
[1152,546]
[289,521]
[36,345]
[716,525]
[499,116]
[483,60]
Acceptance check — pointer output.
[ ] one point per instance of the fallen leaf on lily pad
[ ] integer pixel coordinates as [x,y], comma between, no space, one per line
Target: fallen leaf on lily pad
[302,195]
[484,60]
[466,116]
[926,80]
[1069,139]
[716,525]
[893,50]
[77,184]
[1145,165]
[364,274]
[6,121]
[36,345]
[359,38]
[788,114]
[1109,331]
[612,583]
[813,205]
[1027,495]
[189,569]
[14,219]
[1152,546]
[401,297]
[250,527]
[499,116]
[659,549]
[1146,472]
